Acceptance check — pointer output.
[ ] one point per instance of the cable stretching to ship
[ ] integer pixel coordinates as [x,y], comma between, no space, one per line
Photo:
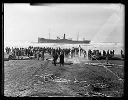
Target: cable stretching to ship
[107,68]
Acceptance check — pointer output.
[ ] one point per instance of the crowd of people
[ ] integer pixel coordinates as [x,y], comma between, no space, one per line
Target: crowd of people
[97,53]
[38,52]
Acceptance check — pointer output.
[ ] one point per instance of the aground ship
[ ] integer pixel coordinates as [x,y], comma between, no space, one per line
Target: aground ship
[64,40]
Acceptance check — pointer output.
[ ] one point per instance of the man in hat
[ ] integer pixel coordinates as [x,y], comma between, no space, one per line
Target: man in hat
[62,58]
[55,57]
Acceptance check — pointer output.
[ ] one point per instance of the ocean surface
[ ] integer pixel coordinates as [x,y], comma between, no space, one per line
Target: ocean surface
[97,46]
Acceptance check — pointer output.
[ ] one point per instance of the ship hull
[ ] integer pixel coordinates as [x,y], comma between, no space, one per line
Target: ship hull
[42,40]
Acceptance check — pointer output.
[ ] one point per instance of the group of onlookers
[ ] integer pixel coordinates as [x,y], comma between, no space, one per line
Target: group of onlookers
[108,53]
[39,52]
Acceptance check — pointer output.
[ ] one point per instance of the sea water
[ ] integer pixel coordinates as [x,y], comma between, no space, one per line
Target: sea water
[117,47]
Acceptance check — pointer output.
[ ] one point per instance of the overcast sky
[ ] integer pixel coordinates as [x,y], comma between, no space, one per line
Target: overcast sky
[96,22]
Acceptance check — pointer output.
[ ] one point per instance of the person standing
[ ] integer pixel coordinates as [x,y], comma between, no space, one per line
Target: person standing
[42,55]
[72,53]
[28,52]
[113,52]
[62,59]
[89,54]
[79,51]
[6,50]
[107,56]
[55,57]
[84,53]
[18,52]
[122,54]
[37,54]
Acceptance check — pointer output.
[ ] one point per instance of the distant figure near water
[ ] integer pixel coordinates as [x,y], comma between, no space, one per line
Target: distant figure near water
[122,54]
[107,56]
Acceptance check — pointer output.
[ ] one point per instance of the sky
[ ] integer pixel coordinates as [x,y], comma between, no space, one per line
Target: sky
[95,22]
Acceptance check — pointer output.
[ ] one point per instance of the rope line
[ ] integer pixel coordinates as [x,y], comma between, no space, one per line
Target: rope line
[107,68]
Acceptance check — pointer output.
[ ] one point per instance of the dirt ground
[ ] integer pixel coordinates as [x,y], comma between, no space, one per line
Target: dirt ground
[26,78]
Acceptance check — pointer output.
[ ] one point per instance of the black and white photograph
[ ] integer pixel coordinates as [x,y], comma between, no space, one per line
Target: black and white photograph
[64,49]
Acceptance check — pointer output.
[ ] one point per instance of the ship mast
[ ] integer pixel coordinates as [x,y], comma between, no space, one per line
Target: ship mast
[49,32]
[78,36]
[64,36]
[49,35]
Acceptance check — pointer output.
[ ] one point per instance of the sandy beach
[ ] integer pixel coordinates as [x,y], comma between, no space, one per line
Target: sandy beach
[26,78]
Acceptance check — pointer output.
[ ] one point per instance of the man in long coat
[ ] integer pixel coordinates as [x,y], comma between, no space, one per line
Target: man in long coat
[55,57]
[61,58]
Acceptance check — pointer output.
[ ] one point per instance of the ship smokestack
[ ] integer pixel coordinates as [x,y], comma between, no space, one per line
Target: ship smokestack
[64,36]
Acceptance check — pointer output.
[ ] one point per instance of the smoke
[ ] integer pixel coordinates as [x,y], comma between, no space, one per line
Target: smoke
[106,30]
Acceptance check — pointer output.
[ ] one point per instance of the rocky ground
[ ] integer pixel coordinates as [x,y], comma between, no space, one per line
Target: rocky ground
[79,78]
